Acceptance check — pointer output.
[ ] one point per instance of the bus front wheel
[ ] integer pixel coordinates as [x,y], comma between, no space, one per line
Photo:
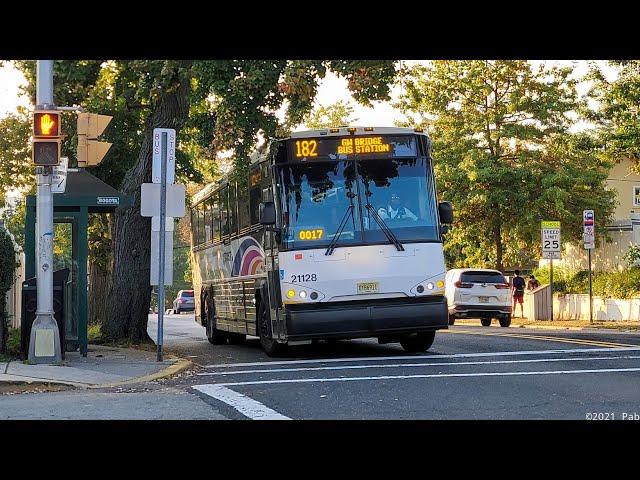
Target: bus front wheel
[263,323]
[418,342]
[215,336]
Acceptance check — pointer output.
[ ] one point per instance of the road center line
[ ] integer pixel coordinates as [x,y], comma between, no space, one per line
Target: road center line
[420,357]
[433,364]
[245,405]
[435,375]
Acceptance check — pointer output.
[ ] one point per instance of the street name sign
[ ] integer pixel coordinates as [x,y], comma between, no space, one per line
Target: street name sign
[550,240]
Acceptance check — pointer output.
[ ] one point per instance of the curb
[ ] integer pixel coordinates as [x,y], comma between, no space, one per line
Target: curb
[171,370]
[556,327]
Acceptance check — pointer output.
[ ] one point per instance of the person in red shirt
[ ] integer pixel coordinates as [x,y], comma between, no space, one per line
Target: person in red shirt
[518,285]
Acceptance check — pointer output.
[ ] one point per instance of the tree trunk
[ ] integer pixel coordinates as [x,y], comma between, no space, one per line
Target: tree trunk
[99,284]
[130,293]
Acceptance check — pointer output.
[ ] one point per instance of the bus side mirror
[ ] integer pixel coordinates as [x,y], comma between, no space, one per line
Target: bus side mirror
[267,213]
[445,210]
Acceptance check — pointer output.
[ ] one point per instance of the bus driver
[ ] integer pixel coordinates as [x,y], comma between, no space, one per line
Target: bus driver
[395,210]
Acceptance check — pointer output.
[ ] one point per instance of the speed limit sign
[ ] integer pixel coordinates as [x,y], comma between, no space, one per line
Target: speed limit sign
[551,240]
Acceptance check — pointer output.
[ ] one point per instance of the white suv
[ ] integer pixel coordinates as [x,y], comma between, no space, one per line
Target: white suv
[478,293]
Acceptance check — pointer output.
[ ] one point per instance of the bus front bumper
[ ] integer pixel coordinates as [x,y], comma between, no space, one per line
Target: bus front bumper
[361,319]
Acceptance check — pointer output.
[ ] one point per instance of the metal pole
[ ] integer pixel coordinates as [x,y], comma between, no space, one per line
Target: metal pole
[44,343]
[590,290]
[551,287]
[163,211]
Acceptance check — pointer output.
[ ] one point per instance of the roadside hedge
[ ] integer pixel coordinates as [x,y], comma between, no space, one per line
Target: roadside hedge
[622,284]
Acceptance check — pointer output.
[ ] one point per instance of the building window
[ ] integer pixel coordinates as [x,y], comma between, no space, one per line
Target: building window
[636,195]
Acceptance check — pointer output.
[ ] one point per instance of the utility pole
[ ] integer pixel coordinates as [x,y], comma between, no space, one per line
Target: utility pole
[44,343]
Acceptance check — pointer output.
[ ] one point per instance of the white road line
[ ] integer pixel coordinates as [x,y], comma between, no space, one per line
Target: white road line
[245,405]
[435,375]
[399,365]
[414,357]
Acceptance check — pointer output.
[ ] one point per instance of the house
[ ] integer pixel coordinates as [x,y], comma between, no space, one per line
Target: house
[623,231]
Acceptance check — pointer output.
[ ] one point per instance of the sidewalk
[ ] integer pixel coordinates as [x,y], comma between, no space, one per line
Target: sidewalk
[104,366]
[519,322]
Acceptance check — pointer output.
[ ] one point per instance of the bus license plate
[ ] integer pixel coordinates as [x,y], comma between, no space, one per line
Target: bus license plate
[368,287]
[483,299]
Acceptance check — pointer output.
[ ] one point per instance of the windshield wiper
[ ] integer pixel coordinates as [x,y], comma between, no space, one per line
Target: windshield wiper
[385,228]
[336,237]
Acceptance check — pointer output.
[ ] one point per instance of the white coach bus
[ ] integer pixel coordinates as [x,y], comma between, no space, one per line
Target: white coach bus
[332,234]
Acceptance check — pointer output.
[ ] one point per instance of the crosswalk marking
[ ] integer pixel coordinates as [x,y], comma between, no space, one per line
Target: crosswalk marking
[434,375]
[420,357]
[245,405]
[431,364]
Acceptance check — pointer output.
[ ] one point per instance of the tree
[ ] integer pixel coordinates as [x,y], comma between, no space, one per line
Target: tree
[334,115]
[504,156]
[15,153]
[7,275]
[618,112]
[214,106]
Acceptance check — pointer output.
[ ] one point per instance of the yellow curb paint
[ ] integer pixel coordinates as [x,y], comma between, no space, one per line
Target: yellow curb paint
[546,338]
[177,367]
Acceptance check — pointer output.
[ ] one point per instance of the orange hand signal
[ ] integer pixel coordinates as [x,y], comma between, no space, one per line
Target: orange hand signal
[46,124]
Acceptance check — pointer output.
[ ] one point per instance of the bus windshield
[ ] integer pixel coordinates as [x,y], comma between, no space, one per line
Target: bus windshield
[316,198]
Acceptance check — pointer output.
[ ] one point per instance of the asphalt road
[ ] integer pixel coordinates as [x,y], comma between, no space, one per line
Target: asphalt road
[469,373]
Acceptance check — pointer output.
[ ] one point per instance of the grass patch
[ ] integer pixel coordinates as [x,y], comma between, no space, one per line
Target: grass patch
[94,333]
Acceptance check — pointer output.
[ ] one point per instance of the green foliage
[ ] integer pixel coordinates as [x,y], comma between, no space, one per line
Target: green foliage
[334,115]
[632,256]
[62,246]
[504,156]
[7,275]
[16,171]
[14,221]
[623,284]
[618,111]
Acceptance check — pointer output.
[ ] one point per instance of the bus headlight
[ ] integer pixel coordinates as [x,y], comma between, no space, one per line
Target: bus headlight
[303,294]
[430,286]
[291,293]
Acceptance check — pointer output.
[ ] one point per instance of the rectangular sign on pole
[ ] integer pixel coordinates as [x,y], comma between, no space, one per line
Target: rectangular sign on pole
[150,200]
[589,226]
[59,176]
[155,258]
[551,240]
[156,168]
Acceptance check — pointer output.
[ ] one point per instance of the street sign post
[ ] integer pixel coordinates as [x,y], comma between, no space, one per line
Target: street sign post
[589,238]
[162,200]
[551,249]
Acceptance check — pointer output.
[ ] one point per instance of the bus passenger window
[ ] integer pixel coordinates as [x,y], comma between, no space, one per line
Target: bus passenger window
[244,215]
[215,217]
[200,223]
[224,212]
[254,202]
[233,210]
[207,221]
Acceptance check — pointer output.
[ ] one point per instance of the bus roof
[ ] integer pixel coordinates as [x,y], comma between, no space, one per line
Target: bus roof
[342,131]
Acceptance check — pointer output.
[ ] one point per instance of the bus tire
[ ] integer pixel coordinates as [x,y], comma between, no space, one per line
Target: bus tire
[263,324]
[418,342]
[486,322]
[505,321]
[215,336]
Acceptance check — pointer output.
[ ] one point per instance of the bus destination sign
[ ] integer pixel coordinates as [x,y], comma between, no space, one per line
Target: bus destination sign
[342,148]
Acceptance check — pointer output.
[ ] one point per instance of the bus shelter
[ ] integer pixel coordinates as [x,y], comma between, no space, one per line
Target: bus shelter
[84,194]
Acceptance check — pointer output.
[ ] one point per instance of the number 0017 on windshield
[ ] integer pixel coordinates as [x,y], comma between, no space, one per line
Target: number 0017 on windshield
[311,234]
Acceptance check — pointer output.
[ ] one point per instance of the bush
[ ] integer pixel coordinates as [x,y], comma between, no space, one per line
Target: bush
[7,272]
[623,284]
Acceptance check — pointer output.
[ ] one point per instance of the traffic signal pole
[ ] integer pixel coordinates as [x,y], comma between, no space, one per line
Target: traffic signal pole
[44,343]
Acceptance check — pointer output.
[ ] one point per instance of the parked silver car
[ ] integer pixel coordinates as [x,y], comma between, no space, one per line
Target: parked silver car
[184,302]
